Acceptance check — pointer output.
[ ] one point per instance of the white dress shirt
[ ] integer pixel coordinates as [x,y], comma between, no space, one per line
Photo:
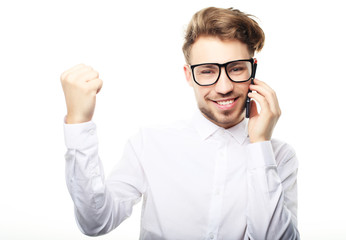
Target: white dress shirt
[197,180]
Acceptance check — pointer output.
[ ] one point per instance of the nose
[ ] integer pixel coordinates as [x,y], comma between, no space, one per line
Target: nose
[224,85]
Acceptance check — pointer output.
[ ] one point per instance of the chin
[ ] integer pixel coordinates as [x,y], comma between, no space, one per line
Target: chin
[226,119]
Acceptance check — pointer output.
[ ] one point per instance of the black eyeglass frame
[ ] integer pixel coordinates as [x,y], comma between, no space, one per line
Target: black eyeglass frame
[253,62]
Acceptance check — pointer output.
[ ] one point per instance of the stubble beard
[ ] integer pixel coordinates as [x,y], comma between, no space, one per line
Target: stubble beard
[224,119]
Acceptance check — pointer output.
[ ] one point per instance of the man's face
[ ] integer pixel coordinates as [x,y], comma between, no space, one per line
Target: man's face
[224,102]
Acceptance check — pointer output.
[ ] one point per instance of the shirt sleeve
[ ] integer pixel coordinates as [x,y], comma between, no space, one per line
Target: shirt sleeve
[272,191]
[100,205]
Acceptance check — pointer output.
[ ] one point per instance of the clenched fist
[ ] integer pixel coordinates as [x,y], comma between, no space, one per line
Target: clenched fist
[80,84]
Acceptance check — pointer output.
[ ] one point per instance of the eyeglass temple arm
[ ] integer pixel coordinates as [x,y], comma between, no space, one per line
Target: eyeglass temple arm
[248,100]
[254,70]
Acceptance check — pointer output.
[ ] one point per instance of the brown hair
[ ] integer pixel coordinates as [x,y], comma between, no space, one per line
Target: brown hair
[225,24]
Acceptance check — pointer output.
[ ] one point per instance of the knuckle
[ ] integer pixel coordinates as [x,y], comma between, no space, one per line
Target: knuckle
[277,114]
[70,78]
[80,65]
[65,76]
[272,92]
[62,77]
[271,114]
[88,69]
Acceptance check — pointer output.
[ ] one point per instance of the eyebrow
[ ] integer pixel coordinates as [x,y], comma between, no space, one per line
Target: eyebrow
[209,65]
[237,63]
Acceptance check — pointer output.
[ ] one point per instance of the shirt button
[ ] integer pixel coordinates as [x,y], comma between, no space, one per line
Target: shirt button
[92,132]
[211,236]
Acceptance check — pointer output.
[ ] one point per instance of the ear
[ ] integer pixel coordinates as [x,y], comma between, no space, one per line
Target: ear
[188,74]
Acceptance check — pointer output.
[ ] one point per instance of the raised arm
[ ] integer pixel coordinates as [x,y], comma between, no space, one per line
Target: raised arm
[100,205]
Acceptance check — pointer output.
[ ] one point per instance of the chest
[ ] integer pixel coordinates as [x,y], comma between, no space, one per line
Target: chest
[198,184]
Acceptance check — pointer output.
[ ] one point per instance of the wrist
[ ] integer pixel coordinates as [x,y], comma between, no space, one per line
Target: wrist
[75,120]
[259,139]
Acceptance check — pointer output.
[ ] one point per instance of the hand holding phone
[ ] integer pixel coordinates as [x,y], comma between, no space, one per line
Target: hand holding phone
[262,123]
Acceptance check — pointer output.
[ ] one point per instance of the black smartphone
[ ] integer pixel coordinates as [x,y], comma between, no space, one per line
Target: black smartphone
[247,104]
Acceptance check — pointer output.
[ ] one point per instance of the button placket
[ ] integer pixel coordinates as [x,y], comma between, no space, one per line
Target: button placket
[218,186]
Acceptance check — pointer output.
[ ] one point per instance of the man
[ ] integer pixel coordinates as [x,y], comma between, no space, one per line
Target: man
[217,176]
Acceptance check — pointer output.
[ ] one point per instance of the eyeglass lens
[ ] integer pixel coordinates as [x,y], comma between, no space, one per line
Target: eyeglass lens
[238,71]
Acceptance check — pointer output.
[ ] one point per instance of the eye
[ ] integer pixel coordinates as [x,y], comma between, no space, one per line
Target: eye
[207,70]
[237,69]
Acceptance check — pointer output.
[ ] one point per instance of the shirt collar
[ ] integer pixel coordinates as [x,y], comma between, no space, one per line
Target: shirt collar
[206,128]
[239,131]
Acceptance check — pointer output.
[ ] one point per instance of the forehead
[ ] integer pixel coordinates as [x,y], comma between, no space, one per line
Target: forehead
[213,50]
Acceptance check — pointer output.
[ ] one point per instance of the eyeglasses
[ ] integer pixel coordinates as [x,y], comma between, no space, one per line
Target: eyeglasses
[207,74]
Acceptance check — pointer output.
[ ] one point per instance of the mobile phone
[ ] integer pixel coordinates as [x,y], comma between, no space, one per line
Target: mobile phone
[247,104]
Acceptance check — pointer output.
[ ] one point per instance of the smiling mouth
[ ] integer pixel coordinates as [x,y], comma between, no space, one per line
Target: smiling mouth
[225,102]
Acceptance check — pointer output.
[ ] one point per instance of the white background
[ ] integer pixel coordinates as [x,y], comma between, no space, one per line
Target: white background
[136,47]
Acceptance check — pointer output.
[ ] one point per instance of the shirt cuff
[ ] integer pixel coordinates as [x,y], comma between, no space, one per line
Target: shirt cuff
[80,135]
[260,155]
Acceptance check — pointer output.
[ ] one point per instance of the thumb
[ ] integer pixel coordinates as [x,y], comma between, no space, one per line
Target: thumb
[96,84]
[253,109]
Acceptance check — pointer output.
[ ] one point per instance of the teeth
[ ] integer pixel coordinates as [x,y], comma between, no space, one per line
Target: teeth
[225,102]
